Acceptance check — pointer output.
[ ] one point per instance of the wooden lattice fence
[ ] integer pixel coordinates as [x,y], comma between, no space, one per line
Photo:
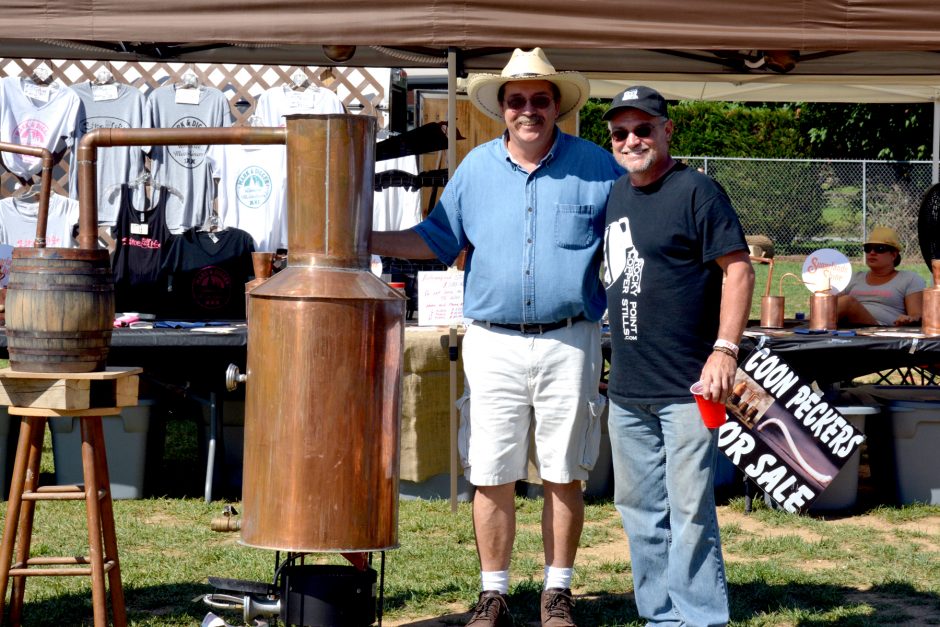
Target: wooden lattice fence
[362,90]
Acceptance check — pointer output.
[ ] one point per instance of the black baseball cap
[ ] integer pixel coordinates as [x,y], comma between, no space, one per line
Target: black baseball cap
[645,99]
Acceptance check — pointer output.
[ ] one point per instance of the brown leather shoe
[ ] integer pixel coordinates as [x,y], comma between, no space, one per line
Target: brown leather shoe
[556,608]
[491,611]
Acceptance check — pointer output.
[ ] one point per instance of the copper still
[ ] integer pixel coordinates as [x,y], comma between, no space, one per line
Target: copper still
[325,337]
[930,321]
[771,307]
[823,310]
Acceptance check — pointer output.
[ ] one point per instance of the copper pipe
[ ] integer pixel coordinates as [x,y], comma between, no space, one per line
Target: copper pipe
[45,185]
[770,271]
[87,156]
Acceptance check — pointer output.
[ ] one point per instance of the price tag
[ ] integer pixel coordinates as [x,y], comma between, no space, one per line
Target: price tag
[139,229]
[104,92]
[440,298]
[36,92]
[186,95]
[301,99]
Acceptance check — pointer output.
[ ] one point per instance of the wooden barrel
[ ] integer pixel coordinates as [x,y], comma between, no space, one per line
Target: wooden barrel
[59,310]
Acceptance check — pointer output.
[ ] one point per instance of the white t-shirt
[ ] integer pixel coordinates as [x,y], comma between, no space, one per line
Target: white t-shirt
[18,218]
[281,100]
[396,208]
[252,191]
[35,115]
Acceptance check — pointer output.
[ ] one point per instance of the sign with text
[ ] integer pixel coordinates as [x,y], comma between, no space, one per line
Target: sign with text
[440,298]
[782,434]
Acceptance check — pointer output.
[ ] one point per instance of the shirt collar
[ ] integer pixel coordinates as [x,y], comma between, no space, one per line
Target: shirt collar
[548,156]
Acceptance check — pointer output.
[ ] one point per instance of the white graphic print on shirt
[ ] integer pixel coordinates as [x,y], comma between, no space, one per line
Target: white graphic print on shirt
[622,260]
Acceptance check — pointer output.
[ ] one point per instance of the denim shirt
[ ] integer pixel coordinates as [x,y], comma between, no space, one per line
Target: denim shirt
[534,238]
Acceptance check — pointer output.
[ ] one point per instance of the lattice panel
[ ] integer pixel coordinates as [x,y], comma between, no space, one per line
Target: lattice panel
[362,90]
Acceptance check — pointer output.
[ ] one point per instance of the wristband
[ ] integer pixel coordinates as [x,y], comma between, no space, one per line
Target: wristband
[731,346]
[725,350]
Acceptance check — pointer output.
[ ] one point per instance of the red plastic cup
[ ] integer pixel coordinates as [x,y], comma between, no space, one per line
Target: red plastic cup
[713,412]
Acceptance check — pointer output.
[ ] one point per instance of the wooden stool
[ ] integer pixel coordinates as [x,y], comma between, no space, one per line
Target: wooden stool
[42,390]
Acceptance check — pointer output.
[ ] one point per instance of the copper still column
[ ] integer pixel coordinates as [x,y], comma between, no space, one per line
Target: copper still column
[325,336]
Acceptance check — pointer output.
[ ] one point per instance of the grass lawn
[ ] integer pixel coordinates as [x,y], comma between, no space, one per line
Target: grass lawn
[880,565]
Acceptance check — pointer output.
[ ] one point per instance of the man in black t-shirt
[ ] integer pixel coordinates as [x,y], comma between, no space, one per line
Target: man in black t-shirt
[672,239]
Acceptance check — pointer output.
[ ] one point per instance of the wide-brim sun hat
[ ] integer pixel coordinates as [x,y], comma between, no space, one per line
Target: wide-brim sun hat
[532,65]
[887,236]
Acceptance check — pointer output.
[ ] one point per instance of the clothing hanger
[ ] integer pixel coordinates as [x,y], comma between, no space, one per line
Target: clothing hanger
[189,79]
[212,223]
[42,75]
[300,81]
[104,76]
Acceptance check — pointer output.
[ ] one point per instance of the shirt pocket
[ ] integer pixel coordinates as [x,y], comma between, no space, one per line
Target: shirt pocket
[574,226]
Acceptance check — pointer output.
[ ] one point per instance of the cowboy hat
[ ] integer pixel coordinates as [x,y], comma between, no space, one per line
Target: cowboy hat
[533,65]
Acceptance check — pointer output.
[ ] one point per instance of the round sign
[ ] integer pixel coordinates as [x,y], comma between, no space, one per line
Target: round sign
[826,270]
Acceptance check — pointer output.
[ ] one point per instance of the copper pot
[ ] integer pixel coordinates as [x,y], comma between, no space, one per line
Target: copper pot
[930,322]
[771,312]
[823,311]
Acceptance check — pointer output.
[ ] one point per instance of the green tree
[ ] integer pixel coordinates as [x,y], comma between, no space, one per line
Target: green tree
[867,131]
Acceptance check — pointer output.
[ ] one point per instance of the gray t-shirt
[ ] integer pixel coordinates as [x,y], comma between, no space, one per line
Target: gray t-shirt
[885,302]
[185,168]
[114,105]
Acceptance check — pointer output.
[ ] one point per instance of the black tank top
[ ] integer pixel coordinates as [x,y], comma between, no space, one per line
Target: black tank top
[140,237]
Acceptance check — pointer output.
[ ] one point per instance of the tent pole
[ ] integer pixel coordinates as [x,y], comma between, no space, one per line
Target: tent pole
[935,169]
[452,337]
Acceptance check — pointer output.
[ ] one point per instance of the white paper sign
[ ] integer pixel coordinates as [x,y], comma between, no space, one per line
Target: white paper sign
[826,269]
[440,298]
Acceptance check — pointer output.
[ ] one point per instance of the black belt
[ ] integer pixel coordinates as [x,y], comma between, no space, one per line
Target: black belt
[538,328]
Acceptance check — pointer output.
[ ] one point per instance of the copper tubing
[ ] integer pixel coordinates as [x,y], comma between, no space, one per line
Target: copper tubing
[87,156]
[45,185]
[770,271]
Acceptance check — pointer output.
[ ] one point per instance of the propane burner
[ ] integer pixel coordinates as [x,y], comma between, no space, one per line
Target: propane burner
[305,595]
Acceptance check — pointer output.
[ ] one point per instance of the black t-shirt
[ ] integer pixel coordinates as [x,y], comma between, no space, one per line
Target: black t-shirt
[207,275]
[663,286]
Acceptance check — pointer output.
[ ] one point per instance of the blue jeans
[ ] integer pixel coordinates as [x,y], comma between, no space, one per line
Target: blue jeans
[664,469]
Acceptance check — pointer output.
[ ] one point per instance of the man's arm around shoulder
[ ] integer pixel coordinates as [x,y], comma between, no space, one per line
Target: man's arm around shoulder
[405,244]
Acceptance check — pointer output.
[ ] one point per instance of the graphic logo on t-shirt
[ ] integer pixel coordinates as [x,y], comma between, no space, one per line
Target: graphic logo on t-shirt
[31,132]
[102,121]
[621,259]
[253,186]
[212,288]
[188,156]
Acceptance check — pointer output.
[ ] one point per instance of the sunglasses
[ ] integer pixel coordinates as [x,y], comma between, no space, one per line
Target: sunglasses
[877,248]
[641,131]
[539,101]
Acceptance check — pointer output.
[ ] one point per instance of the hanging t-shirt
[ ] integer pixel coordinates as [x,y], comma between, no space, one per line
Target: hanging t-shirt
[139,237]
[18,219]
[35,115]
[184,168]
[281,100]
[252,191]
[396,208]
[112,105]
[207,275]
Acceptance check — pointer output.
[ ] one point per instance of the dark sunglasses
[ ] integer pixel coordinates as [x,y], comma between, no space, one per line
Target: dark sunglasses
[877,248]
[642,131]
[539,101]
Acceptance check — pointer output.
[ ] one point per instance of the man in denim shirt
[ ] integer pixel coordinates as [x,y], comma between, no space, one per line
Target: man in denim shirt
[529,208]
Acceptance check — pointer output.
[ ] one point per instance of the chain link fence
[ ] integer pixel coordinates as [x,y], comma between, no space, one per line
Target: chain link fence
[802,205]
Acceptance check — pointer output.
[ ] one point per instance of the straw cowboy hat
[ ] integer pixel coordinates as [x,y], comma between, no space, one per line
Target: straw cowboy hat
[528,66]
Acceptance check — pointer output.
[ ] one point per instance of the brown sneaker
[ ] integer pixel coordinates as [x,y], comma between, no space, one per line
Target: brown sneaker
[556,608]
[491,611]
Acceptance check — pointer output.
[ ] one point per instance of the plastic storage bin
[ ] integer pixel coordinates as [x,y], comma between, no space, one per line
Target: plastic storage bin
[916,429]
[842,492]
[125,440]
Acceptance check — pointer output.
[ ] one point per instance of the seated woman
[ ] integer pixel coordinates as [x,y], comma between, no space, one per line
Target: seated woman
[883,295]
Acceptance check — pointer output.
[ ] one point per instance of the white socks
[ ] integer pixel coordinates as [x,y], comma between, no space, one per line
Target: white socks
[497,580]
[557,577]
